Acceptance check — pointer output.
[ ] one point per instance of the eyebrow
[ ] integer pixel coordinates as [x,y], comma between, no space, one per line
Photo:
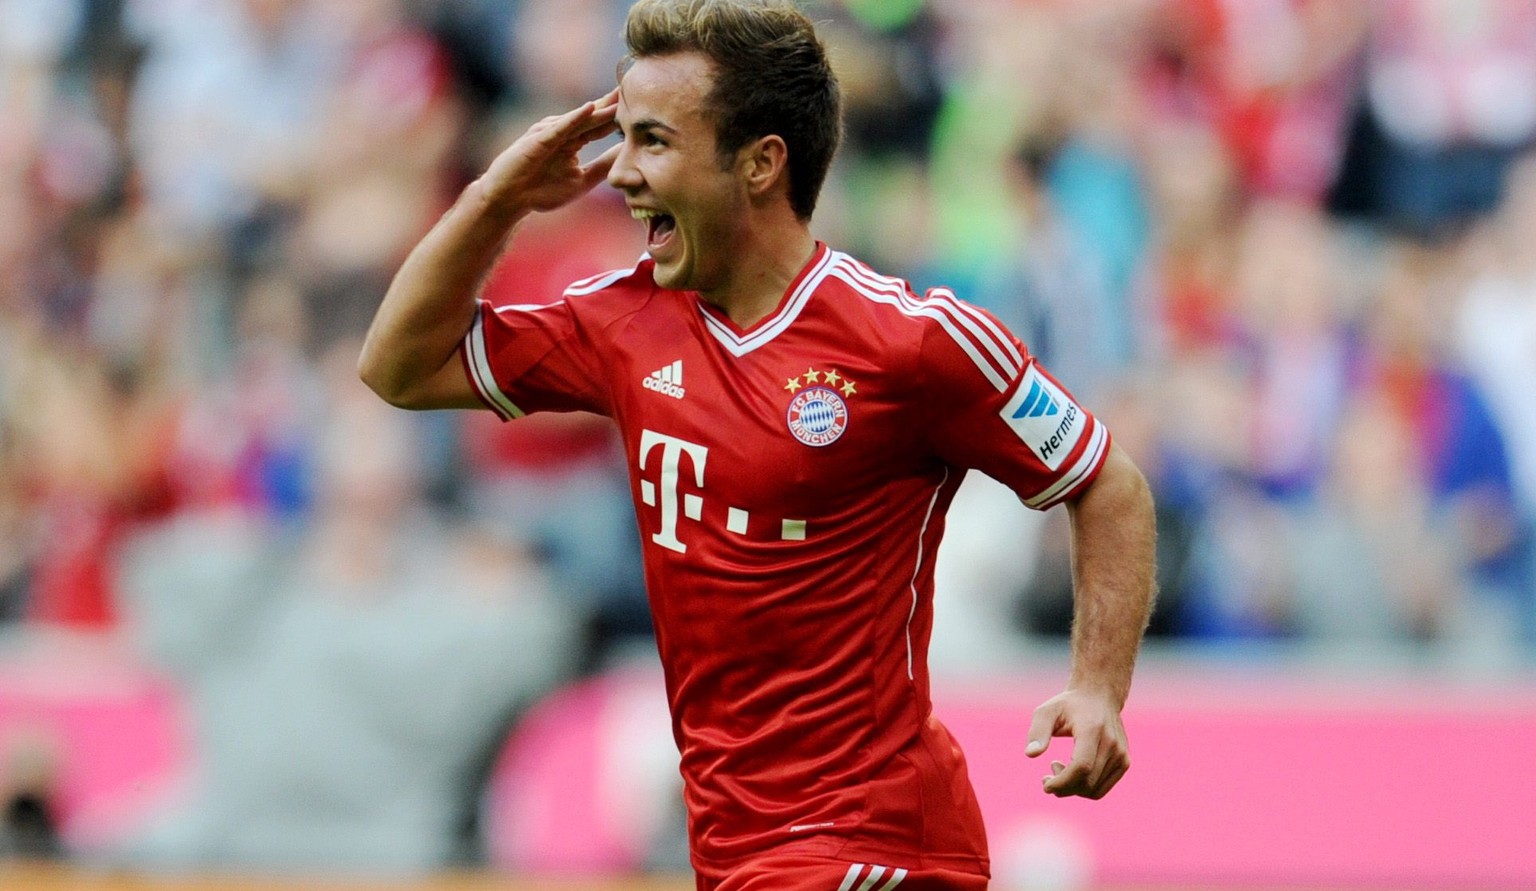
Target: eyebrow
[646,125]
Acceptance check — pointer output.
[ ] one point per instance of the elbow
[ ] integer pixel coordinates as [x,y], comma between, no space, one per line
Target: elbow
[372,375]
[378,377]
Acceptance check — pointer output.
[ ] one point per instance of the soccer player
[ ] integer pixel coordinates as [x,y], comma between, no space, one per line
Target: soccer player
[795,425]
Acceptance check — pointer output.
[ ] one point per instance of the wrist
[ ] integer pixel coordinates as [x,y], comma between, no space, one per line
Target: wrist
[1099,688]
[494,204]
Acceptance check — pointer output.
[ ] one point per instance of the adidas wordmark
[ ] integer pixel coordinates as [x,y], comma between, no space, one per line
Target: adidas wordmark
[668,380]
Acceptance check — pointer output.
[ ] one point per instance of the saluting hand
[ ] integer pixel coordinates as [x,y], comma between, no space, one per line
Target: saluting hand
[1100,752]
[542,171]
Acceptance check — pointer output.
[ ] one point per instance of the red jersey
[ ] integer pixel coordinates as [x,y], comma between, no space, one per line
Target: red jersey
[791,482]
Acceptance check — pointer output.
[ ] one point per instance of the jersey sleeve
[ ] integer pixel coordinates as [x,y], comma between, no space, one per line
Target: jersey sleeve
[523,359]
[993,408]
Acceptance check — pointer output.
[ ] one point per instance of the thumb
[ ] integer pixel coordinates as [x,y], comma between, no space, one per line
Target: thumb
[1040,727]
[597,171]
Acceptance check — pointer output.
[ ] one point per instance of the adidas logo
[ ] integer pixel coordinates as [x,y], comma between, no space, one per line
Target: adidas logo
[1038,404]
[668,380]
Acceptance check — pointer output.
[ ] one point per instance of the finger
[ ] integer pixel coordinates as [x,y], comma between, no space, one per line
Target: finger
[1110,756]
[556,131]
[1086,754]
[1071,779]
[1075,779]
[597,171]
[1110,779]
[1041,726]
[596,129]
[1099,753]
[601,118]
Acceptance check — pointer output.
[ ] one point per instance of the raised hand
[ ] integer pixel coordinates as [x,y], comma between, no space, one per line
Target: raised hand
[542,171]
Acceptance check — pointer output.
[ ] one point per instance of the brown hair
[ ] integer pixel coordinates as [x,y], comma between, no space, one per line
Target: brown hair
[772,77]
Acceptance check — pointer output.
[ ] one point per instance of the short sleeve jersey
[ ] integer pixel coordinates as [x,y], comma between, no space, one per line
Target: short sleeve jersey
[791,482]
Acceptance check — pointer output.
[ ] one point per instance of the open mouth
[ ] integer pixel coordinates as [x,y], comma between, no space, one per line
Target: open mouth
[658,226]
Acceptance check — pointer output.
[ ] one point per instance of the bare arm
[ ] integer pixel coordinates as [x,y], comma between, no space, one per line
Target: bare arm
[1113,538]
[410,356]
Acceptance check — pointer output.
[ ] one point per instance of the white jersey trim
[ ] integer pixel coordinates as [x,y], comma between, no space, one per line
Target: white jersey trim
[917,568]
[985,321]
[738,345]
[480,374]
[1090,458]
[598,282]
[482,377]
[995,364]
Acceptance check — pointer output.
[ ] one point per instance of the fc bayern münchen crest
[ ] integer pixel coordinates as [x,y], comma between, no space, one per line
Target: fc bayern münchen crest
[817,416]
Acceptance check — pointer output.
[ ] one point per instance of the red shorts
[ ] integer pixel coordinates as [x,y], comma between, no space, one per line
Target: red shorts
[793,872]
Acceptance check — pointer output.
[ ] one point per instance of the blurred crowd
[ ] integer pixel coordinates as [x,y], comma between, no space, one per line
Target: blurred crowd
[1283,247]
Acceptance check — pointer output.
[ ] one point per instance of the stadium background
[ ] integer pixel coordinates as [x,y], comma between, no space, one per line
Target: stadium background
[255,623]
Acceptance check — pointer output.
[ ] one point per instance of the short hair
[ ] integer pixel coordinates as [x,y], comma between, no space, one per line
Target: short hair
[771,77]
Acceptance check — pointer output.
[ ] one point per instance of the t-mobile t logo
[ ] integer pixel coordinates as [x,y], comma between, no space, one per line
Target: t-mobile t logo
[672,451]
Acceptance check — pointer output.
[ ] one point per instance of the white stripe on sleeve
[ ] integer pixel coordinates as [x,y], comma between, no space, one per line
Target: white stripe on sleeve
[939,312]
[1086,462]
[481,375]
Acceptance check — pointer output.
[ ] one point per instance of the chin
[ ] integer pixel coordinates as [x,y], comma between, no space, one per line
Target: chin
[670,278]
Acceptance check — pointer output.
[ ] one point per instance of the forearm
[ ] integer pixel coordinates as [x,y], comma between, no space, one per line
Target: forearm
[409,353]
[1113,558]
[430,304]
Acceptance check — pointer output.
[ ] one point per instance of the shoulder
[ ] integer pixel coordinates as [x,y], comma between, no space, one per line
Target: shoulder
[599,298]
[893,300]
[882,311]
[621,288]
[625,280]
[937,324]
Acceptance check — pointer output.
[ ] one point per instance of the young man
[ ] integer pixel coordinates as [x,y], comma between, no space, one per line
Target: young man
[796,425]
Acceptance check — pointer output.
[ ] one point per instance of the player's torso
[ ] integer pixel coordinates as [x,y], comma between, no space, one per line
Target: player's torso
[789,513]
[766,458]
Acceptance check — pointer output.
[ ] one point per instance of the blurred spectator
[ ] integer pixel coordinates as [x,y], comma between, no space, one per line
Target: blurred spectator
[1272,78]
[1367,561]
[349,679]
[226,107]
[84,435]
[563,54]
[1409,360]
[381,165]
[1449,102]
[1290,301]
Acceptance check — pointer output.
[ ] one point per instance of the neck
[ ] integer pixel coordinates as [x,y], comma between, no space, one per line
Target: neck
[764,272]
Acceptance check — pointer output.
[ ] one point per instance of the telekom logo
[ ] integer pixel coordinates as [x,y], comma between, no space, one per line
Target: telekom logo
[672,452]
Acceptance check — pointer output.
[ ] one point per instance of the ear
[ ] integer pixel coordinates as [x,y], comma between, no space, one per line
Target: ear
[764,165]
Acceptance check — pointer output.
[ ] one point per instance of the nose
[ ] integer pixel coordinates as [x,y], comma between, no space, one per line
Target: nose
[624,175]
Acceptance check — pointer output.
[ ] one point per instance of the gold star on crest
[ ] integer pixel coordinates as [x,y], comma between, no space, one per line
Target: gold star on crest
[812,376]
[793,385]
[832,377]
[848,388]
